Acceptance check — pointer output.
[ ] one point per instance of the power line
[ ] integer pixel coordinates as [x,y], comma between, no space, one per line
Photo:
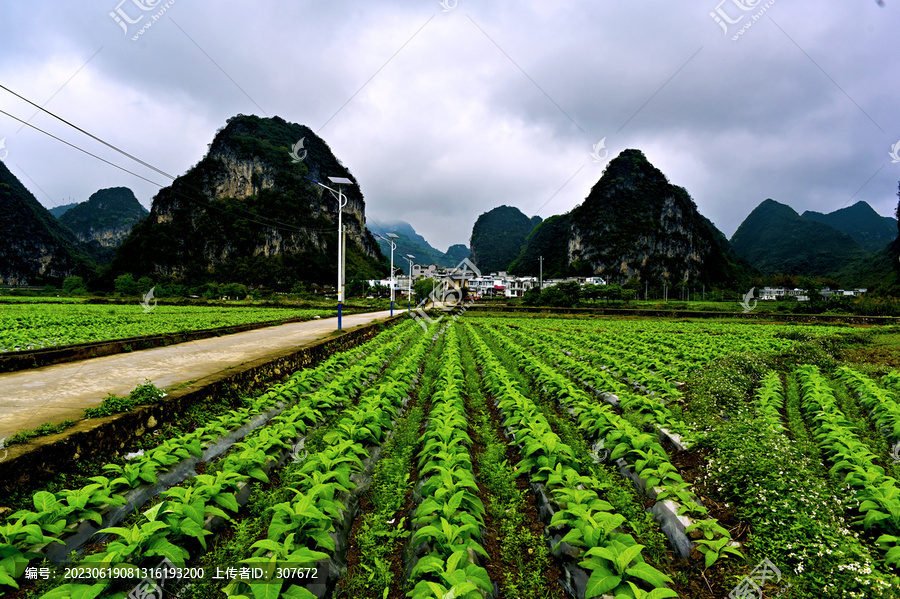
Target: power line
[249,215]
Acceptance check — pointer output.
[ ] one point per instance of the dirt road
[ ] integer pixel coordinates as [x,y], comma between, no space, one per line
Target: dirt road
[55,393]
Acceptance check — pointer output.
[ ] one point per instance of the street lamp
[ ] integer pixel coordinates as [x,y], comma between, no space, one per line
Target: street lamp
[393,247]
[342,201]
[409,282]
[541,283]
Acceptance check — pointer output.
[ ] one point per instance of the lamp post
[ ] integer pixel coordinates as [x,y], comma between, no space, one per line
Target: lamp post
[541,285]
[392,237]
[409,282]
[342,201]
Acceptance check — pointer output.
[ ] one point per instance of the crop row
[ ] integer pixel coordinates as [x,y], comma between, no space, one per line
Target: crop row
[590,526]
[770,400]
[188,506]
[640,450]
[877,494]
[449,521]
[882,406]
[35,326]
[651,408]
[313,525]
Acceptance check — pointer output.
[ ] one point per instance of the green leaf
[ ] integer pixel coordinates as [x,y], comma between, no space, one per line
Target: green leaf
[295,592]
[268,544]
[45,502]
[5,578]
[227,501]
[601,581]
[266,589]
[259,474]
[167,549]
[648,573]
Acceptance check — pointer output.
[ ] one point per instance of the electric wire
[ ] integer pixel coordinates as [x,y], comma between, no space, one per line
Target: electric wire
[250,216]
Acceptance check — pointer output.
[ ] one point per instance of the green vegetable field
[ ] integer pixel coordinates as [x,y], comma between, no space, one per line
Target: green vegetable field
[25,325]
[501,457]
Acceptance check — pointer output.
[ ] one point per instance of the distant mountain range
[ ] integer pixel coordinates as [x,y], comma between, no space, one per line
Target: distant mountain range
[103,222]
[634,226]
[58,211]
[410,242]
[248,213]
[44,249]
[840,245]
[106,218]
[871,230]
[37,248]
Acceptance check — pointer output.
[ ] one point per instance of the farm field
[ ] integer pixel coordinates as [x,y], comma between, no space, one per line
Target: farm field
[27,325]
[503,457]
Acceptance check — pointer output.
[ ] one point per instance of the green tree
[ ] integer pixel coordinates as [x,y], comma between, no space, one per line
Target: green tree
[555,298]
[591,291]
[612,293]
[74,286]
[357,287]
[144,285]
[126,285]
[233,290]
[423,287]
[532,297]
[572,292]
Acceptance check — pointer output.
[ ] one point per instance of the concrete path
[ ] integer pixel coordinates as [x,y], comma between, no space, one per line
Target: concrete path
[55,393]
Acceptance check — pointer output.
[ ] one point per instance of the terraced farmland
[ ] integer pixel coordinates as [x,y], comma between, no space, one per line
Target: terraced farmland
[505,457]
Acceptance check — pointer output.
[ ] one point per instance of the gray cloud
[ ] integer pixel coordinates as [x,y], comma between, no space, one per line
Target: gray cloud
[442,116]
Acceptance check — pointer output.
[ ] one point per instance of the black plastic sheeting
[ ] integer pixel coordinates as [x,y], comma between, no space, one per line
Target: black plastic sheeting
[87,530]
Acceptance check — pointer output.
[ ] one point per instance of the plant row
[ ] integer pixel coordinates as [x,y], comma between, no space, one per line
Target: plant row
[449,521]
[884,409]
[770,400]
[312,526]
[183,510]
[639,449]
[877,493]
[651,408]
[613,558]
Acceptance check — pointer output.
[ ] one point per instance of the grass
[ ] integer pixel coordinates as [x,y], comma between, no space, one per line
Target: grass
[41,431]
[146,393]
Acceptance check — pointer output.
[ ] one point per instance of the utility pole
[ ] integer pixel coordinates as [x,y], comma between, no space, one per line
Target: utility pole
[541,285]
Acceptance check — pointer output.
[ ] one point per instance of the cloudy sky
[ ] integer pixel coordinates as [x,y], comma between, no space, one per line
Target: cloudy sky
[443,112]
